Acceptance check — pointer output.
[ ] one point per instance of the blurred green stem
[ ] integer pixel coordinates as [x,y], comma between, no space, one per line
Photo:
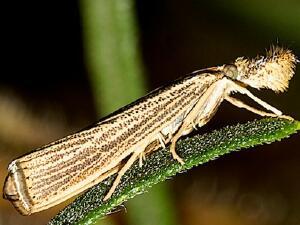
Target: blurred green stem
[114,65]
[112,56]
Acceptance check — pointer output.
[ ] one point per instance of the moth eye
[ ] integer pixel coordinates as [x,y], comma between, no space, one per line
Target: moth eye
[231,71]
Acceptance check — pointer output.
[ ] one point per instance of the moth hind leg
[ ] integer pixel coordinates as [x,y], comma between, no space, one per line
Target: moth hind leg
[161,139]
[127,165]
[142,156]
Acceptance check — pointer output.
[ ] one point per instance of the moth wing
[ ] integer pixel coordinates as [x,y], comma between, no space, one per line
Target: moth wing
[57,172]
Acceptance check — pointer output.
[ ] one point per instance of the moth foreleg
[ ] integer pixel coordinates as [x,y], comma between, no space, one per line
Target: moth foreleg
[237,88]
[127,165]
[240,104]
[242,90]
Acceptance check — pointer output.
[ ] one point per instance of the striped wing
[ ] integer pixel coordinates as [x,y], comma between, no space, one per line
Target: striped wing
[68,166]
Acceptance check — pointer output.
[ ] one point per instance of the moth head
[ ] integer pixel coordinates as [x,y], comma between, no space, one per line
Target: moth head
[272,71]
[231,71]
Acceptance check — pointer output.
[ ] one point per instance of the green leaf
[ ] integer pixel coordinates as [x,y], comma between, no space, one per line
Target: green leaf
[159,166]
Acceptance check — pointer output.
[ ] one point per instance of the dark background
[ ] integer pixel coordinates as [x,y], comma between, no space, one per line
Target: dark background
[45,94]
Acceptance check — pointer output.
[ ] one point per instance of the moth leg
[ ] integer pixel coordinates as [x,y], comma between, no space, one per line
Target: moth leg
[173,144]
[240,104]
[202,111]
[161,140]
[185,129]
[242,90]
[141,158]
[127,165]
[194,125]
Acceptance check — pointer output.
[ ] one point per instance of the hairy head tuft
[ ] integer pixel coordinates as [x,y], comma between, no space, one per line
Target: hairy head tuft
[272,71]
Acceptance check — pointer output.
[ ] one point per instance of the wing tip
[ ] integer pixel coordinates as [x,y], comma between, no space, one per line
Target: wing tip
[12,192]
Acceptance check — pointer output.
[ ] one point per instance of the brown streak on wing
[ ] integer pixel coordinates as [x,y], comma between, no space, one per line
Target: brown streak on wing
[65,166]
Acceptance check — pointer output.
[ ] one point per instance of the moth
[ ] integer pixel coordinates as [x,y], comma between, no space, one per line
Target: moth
[64,168]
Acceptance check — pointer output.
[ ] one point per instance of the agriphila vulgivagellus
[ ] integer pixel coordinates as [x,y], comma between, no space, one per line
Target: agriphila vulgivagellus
[64,168]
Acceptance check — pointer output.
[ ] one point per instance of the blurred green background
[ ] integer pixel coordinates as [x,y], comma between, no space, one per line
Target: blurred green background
[68,63]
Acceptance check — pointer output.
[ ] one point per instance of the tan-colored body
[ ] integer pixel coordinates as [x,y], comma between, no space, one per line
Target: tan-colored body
[69,166]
